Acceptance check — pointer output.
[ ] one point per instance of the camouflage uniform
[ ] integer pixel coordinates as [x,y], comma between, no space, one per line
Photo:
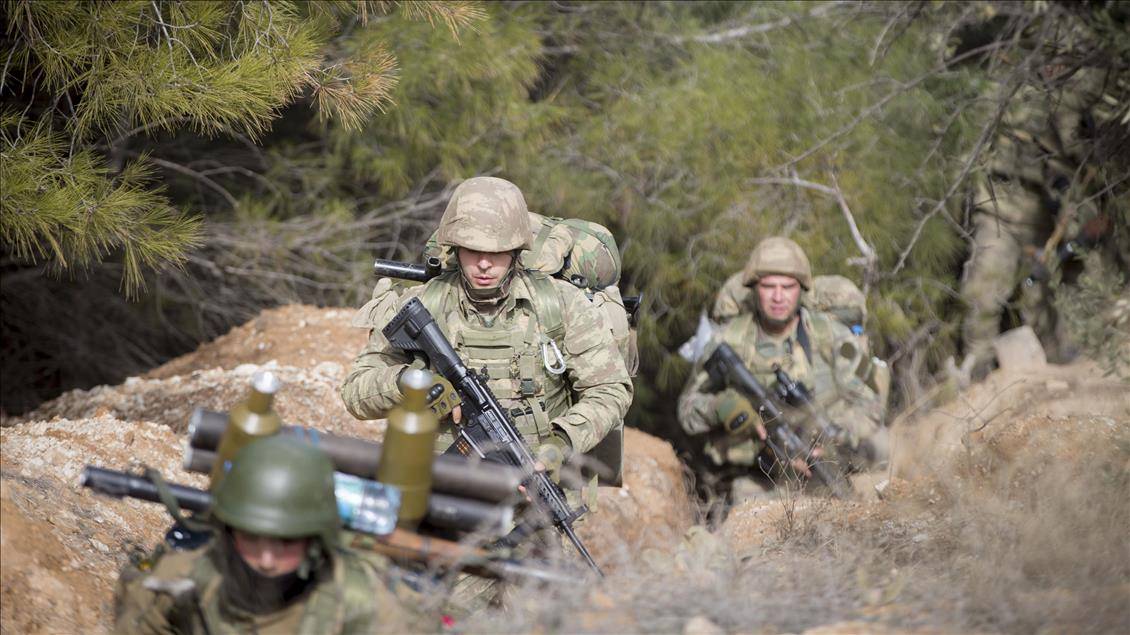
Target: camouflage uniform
[548,351]
[819,351]
[1035,167]
[278,488]
[571,249]
[349,596]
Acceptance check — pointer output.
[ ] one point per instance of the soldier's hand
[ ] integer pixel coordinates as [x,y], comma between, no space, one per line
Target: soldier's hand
[800,463]
[457,415]
[444,400]
[736,414]
[552,454]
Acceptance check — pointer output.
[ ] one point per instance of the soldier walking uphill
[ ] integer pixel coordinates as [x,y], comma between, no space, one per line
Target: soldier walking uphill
[813,347]
[274,565]
[548,353]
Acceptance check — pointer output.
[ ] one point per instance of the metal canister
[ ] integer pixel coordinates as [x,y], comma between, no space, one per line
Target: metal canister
[407,453]
[251,419]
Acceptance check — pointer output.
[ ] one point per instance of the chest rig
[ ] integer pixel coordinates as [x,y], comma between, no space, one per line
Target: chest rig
[519,350]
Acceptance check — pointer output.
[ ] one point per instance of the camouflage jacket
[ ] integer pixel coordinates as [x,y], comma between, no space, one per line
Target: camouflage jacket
[585,401]
[183,594]
[833,365]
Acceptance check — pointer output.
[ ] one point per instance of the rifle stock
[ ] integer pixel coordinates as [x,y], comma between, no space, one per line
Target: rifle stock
[487,430]
[726,369]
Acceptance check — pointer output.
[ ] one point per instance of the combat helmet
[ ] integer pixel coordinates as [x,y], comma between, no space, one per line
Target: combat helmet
[280,488]
[777,255]
[486,214]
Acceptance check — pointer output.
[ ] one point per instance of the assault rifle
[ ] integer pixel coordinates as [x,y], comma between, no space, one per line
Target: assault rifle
[726,369]
[486,430]
[432,267]
[797,395]
[398,544]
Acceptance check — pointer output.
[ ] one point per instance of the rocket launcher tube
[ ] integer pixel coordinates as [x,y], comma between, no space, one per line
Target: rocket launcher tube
[451,475]
[445,512]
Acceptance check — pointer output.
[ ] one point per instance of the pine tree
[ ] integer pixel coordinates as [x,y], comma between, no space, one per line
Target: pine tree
[81,78]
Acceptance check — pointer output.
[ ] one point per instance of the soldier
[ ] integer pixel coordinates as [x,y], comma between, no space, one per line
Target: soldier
[1040,193]
[814,347]
[274,565]
[548,353]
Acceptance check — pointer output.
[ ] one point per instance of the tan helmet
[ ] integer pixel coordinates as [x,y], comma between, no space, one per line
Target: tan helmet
[781,256]
[486,214]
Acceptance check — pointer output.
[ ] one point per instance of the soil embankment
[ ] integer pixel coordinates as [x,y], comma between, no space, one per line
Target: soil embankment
[63,546]
[1003,511]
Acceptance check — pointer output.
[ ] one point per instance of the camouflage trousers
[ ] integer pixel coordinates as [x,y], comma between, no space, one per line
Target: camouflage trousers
[992,274]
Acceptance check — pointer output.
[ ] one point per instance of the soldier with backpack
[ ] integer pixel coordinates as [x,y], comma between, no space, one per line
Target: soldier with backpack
[772,325]
[547,349]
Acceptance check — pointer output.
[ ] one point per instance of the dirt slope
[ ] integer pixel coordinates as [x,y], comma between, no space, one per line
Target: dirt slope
[1004,510]
[63,547]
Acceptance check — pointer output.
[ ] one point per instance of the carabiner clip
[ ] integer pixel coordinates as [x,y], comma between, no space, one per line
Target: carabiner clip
[553,367]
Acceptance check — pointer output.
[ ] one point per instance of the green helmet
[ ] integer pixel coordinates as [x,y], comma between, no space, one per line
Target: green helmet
[486,214]
[777,255]
[281,488]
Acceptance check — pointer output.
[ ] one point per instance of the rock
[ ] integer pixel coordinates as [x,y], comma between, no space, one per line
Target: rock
[652,508]
[1057,385]
[1020,349]
[701,625]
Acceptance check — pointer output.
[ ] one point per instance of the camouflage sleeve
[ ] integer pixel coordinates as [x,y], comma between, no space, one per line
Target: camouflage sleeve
[140,609]
[370,389]
[696,405]
[851,402]
[143,611]
[383,603]
[600,382]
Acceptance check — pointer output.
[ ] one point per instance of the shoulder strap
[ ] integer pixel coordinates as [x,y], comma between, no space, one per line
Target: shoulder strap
[821,333]
[547,305]
[438,292]
[547,225]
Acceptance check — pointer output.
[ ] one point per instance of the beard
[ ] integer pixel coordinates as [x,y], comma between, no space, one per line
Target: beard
[246,589]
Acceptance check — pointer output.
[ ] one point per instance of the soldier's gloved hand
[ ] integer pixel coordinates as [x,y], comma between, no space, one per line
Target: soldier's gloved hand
[736,414]
[552,454]
[443,399]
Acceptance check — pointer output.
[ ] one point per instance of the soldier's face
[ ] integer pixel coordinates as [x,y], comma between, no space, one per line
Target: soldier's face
[270,557]
[484,269]
[778,297]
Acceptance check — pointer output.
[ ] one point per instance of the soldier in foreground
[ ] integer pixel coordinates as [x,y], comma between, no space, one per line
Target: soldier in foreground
[813,347]
[546,350]
[274,565]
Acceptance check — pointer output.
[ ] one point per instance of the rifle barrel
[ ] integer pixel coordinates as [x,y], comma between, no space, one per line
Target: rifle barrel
[446,512]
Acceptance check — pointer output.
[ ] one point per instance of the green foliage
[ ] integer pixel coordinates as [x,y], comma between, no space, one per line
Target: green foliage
[72,211]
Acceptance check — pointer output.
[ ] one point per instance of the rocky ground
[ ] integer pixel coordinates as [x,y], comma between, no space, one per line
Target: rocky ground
[1005,510]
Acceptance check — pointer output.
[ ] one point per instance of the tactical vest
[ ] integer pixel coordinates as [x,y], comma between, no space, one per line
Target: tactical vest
[521,353]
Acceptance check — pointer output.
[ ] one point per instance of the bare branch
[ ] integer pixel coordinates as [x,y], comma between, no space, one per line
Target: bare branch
[719,37]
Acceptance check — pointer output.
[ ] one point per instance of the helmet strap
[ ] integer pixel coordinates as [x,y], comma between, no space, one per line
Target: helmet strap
[491,298]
